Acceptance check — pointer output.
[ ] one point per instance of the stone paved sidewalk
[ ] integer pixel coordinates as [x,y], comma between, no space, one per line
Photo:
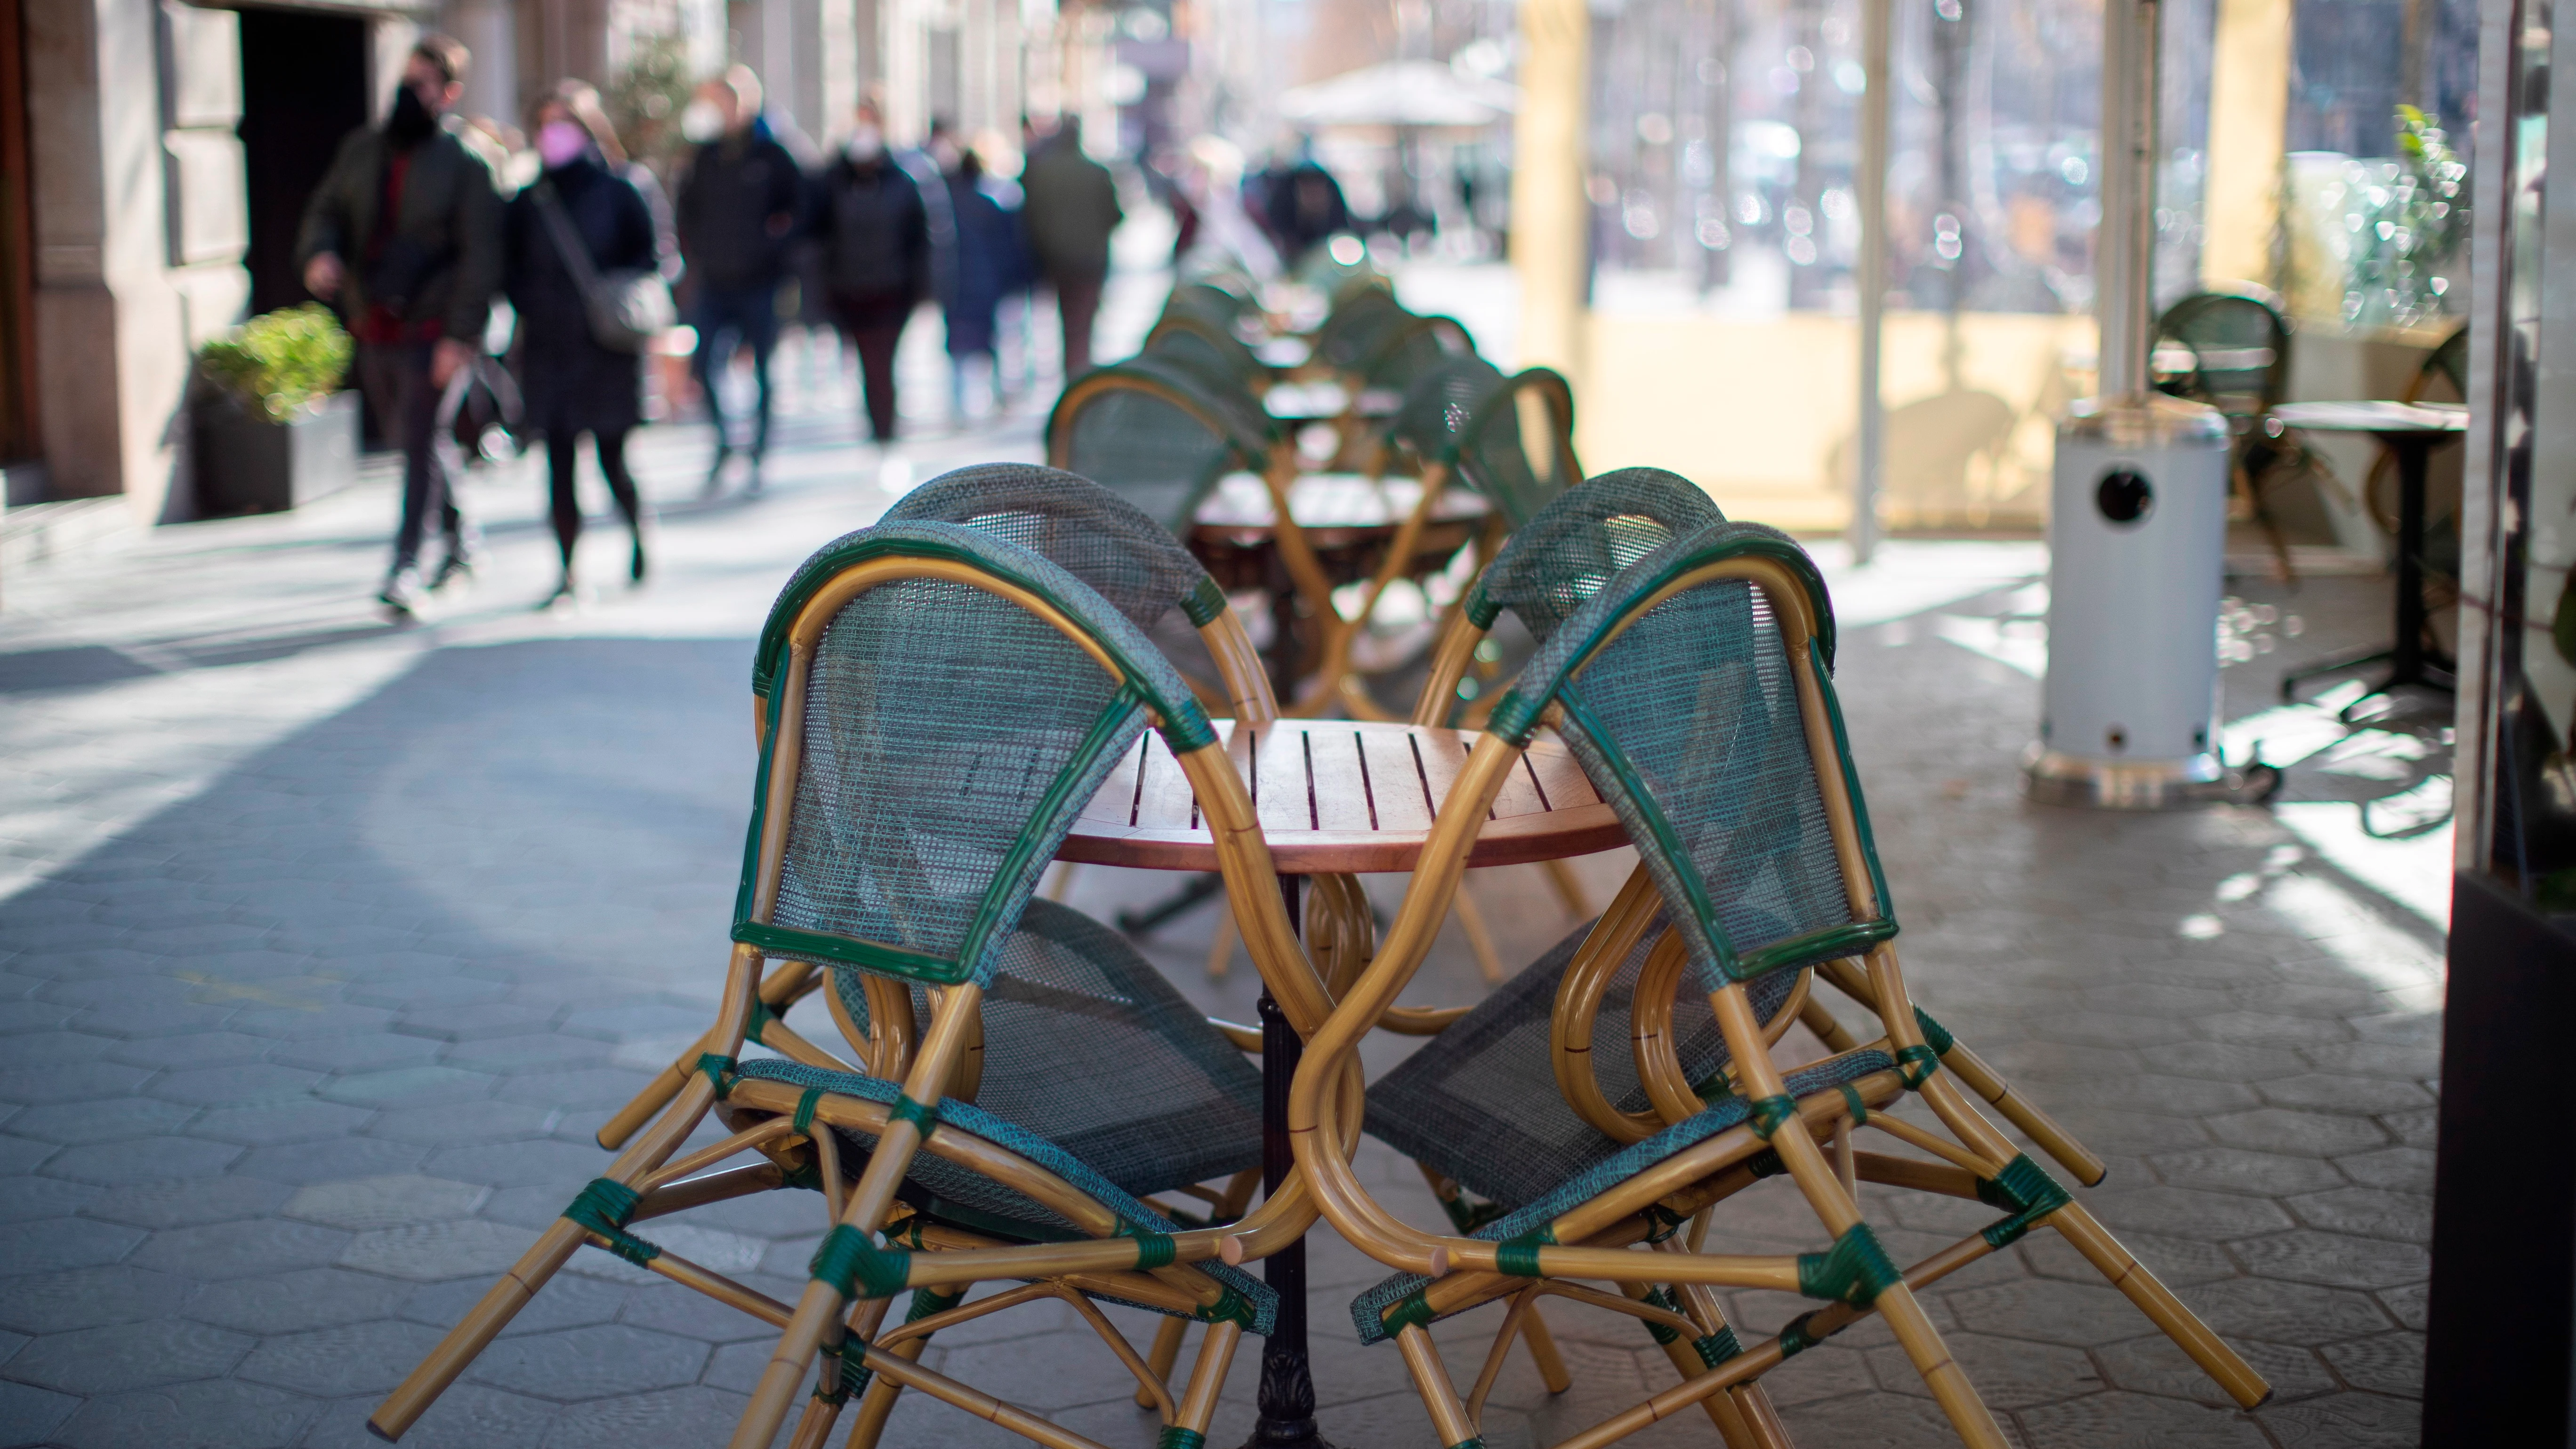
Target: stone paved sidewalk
[325,945]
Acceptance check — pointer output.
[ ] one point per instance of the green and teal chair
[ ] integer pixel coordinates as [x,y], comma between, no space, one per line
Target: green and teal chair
[940,704]
[1694,687]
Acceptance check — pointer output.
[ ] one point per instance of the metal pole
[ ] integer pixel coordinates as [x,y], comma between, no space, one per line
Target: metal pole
[2124,266]
[1872,277]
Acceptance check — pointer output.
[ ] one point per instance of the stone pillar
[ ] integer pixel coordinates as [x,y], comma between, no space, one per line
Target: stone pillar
[491,33]
[2249,116]
[139,234]
[1551,219]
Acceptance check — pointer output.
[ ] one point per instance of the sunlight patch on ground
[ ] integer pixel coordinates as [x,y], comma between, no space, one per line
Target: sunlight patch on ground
[1907,577]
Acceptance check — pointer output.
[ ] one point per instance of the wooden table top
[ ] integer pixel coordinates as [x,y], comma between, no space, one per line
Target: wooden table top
[2374,417]
[1331,503]
[1342,795]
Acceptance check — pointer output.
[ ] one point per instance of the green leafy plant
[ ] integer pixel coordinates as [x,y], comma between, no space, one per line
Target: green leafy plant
[281,363]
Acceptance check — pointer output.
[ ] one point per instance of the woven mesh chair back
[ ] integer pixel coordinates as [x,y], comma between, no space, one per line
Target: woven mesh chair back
[1206,351]
[2240,346]
[1416,347]
[1688,720]
[1362,319]
[1432,420]
[1208,303]
[1575,545]
[1152,436]
[941,745]
[1093,534]
[1518,448]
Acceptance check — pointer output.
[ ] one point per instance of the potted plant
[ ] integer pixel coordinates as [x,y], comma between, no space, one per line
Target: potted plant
[278,431]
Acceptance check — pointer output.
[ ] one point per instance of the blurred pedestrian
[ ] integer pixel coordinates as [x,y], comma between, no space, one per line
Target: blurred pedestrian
[1303,205]
[1071,206]
[991,262]
[741,196]
[587,197]
[875,232]
[404,234]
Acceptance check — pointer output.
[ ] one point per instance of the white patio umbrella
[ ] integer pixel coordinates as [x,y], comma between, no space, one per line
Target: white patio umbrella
[1400,93]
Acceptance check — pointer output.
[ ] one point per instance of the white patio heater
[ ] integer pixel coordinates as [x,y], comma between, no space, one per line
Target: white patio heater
[2137,524]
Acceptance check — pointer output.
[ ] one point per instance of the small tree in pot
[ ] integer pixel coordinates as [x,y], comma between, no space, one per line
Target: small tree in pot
[278,431]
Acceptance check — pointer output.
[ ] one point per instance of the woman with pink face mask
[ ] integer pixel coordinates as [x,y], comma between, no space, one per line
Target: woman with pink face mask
[586,195]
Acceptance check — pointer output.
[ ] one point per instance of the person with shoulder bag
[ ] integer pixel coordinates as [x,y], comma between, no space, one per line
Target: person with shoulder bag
[403,236]
[587,252]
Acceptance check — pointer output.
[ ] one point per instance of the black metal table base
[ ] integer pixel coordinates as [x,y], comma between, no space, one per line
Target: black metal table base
[2410,663]
[1287,1397]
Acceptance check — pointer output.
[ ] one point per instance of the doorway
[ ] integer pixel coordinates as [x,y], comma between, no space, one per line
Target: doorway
[18,438]
[304,87]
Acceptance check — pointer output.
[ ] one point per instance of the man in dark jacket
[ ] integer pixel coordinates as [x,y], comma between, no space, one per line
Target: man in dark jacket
[1071,206]
[875,233]
[404,234]
[740,199]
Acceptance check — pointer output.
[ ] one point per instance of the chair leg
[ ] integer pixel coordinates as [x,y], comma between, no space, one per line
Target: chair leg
[814,1425]
[1722,1409]
[877,1404]
[1542,1351]
[2223,1364]
[1220,957]
[1578,902]
[1431,1380]
[1207,1378]
[1815,1177]
[545,1258]
[1472,921]
[1165,1352]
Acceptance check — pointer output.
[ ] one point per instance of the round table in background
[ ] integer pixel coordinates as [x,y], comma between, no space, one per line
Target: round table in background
[1333,797]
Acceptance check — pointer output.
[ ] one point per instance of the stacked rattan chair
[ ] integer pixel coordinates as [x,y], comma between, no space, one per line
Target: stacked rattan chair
[1692,683]
[1027,1079]
[1462,425]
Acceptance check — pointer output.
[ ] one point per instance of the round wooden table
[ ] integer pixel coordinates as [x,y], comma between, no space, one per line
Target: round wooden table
[1333,796]
[1348,521]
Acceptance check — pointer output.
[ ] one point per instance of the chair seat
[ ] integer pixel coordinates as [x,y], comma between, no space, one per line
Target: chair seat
[1616,1167]
[1479,1103]
[1095,1069]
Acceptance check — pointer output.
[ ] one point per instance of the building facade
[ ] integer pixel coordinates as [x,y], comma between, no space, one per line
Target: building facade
[155,156]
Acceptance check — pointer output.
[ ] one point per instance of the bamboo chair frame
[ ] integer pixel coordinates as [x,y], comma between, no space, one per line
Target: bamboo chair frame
[1254,446]
[773,1119]
[1437,704]
[1439,462]
[1590,1240]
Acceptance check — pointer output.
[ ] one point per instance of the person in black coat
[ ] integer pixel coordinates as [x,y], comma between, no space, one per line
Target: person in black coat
[570,384]
[874,228]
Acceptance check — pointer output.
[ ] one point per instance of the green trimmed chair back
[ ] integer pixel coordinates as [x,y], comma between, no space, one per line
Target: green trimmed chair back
[1518,445]
[1207,350]
[2240,347]
[1576,545]
[1416,347]
[1685,714]
[1155,436]
[934,749]
[1362,320]
[1203,301]
[1131,561]
[1431,422]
